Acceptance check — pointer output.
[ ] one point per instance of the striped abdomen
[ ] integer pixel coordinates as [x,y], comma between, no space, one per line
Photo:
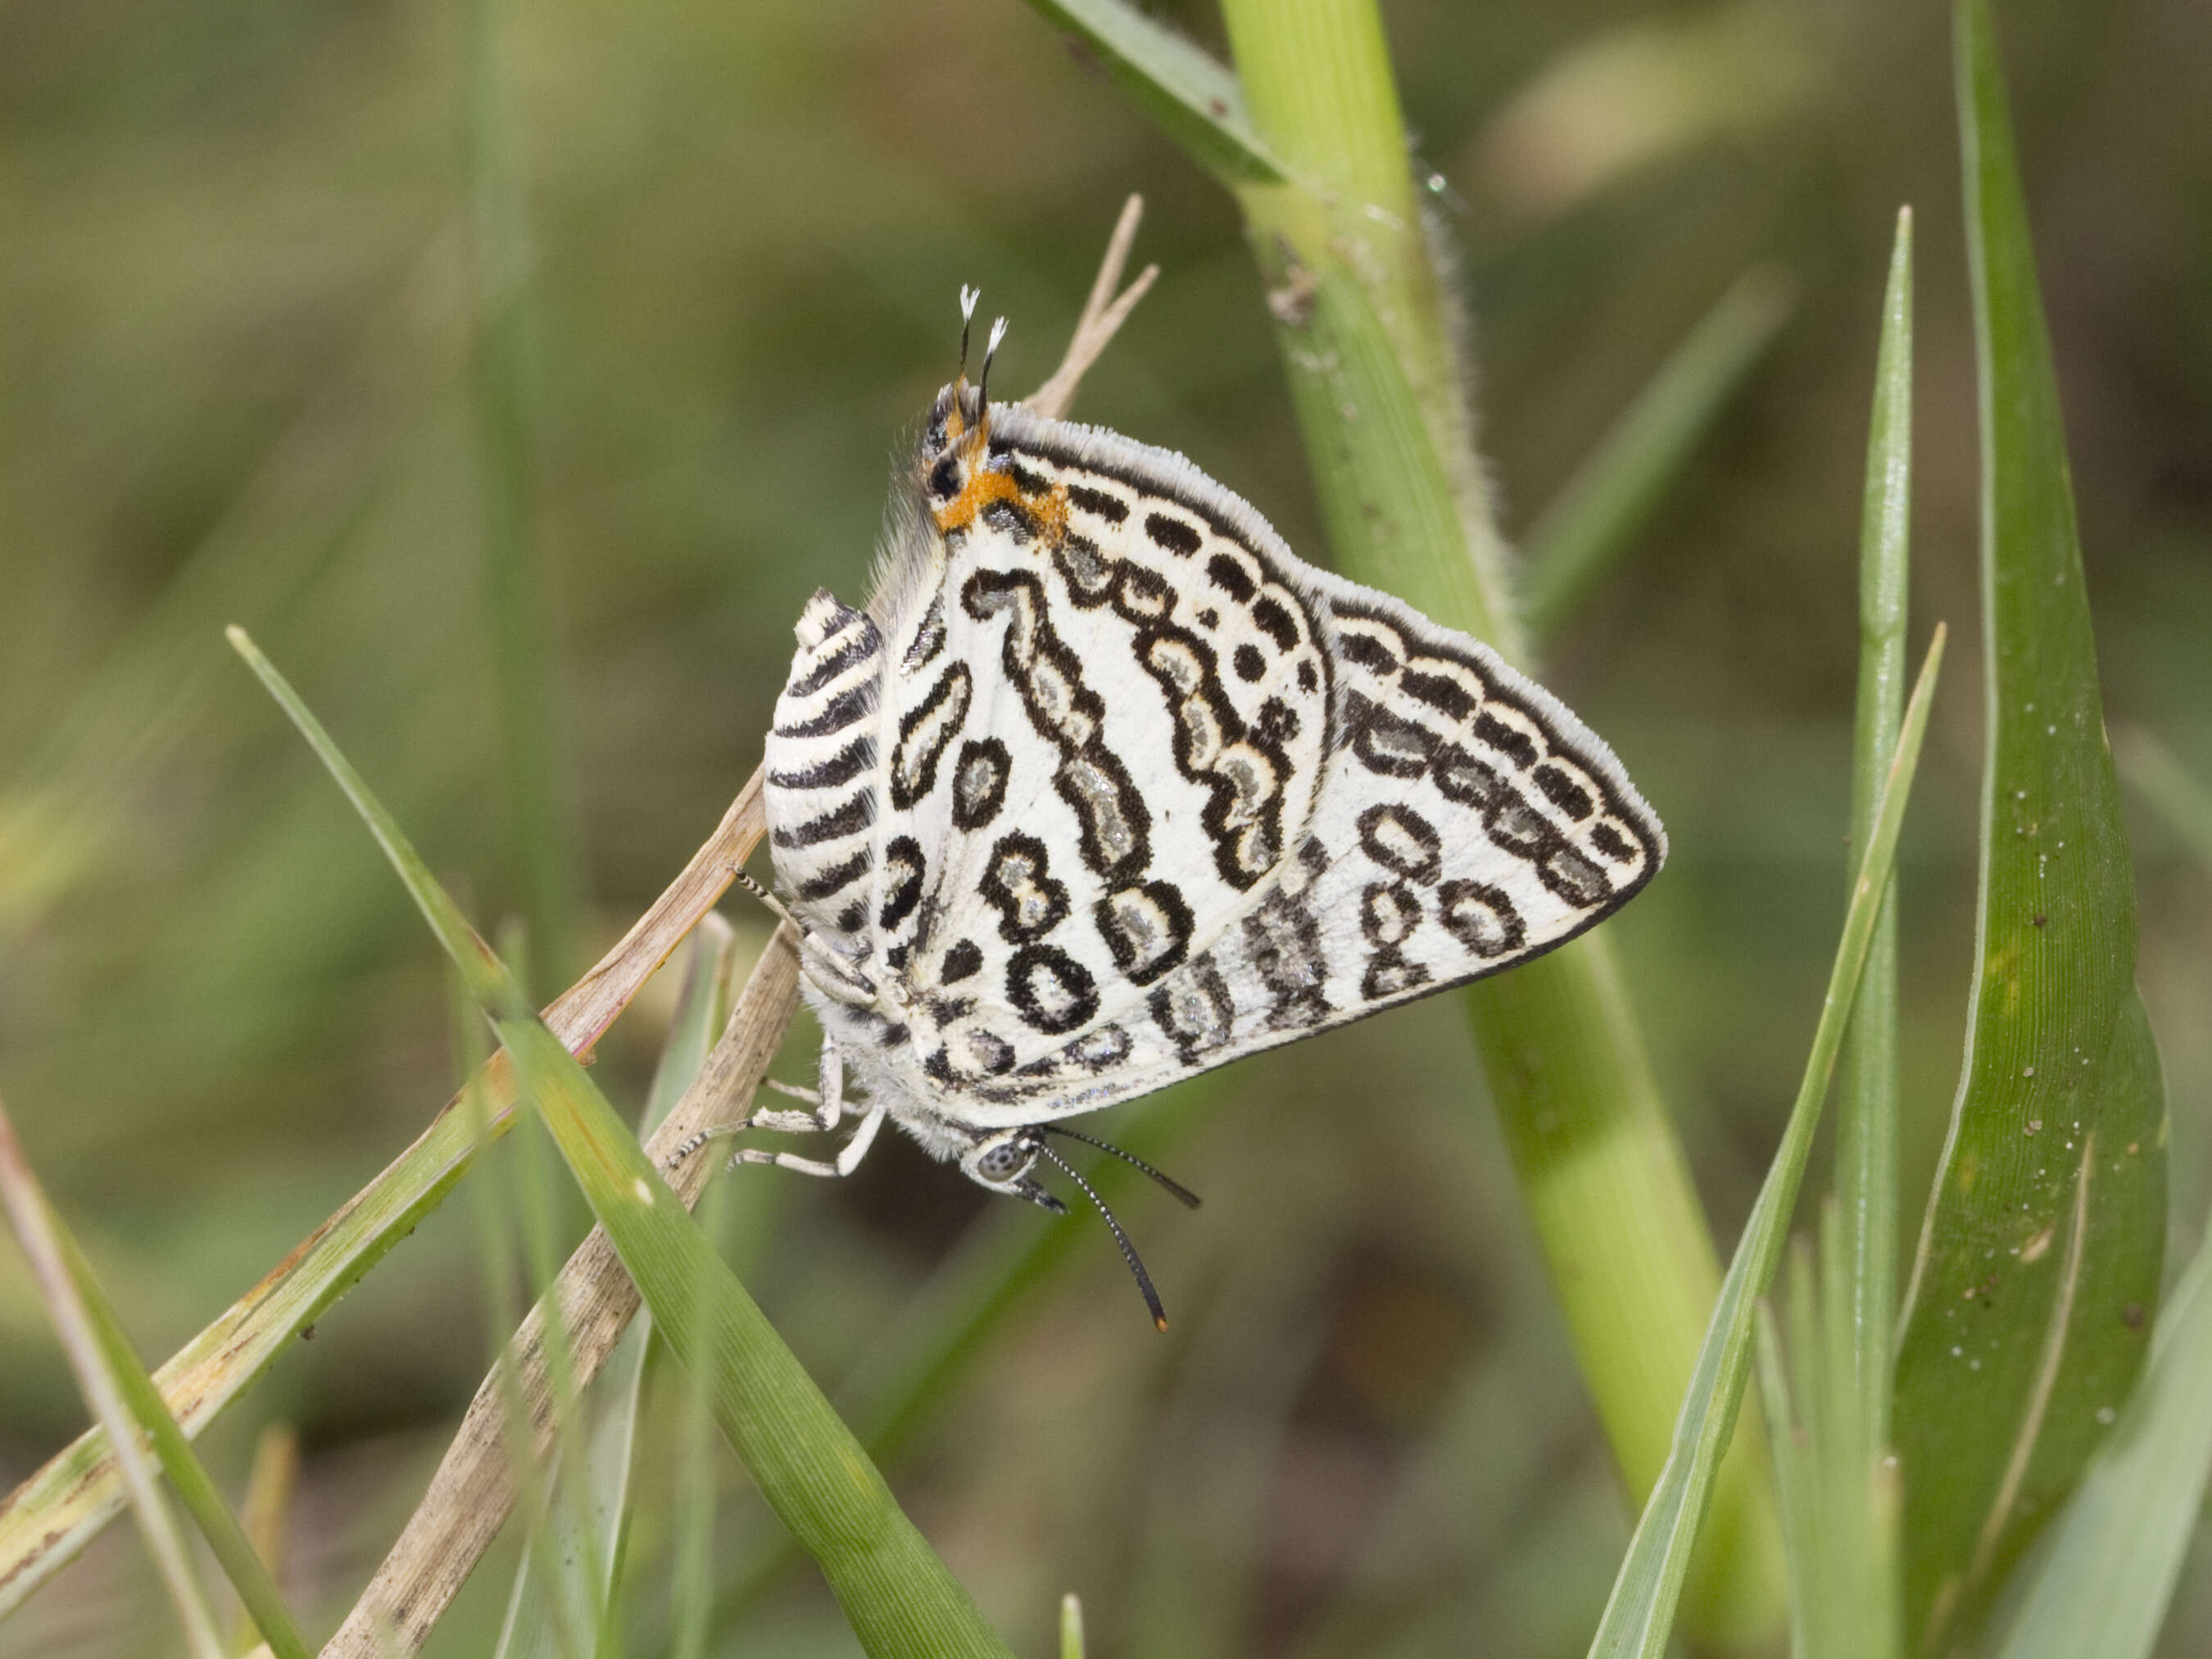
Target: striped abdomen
[821,796]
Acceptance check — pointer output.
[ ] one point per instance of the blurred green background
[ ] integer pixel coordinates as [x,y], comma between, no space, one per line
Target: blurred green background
[235,339]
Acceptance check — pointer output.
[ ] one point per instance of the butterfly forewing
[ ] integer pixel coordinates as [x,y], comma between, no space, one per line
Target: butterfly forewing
[1134,753]
[1135,791]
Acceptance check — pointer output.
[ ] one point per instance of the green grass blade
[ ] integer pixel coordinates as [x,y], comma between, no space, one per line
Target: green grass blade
[188,1477]
[38,1228]
[48,1519]
[504,380]
[562,1616]
[1195,100]
[51,1516]
[999,1267]
[693,1576]
[2103,1585]
[1070,1627]
[265,1511]
[1793,1474]
[1365,330]
[565,1586]
[468,1497]
[1837,1507]
[897,1592]
[1591,523]
[1640,1614]
[586,1526]
[1867,1100]
[2044,1230]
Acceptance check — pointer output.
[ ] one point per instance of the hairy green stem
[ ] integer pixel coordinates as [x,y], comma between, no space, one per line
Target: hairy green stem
[1368,346]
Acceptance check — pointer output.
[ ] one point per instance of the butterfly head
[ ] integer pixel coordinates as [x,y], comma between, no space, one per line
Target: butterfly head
[956,442]
[1002,1161]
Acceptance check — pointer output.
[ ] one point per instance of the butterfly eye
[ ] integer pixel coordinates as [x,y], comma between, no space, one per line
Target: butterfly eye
[1004,1160]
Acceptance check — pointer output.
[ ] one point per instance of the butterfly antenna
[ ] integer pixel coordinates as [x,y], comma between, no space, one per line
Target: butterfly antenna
[990,350]
[968,298]
[1128,1250]
[1181,1193]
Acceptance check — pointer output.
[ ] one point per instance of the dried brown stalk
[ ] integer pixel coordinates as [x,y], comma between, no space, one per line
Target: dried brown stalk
[1104,314]
[48,1519]
[473,1492]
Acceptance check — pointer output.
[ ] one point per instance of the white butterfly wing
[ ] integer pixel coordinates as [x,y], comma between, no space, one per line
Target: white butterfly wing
[1153,793]
[1094,756]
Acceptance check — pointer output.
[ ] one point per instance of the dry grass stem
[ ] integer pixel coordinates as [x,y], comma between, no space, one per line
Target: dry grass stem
[1104,314]
[48,1519]
[473,1492]
[26,1208]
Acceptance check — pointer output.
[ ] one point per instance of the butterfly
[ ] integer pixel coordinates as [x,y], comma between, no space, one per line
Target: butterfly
[1104,786]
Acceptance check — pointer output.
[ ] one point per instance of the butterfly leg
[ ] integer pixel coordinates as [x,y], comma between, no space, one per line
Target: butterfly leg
[849,1156]
[829,1075]
[828,1104]
[789,1123]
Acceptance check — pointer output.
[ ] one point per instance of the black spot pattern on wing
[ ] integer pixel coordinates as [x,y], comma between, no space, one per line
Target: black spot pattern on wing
[1100,1050]
[1231,577]
[1147,928]
[1018,885]
[833,716]
[863,644]
[1283,941]
[1401,841]
[1097,502]
[1391,973]
[1011,517]
[1193,1007]
[904,871]
[838,876]
[1245,772]
[1384,742]
[993,1056]
[1439,691]
[1563,792]
[1502,737]
[1388,913]
[848,763]
[929,637]
[1275,621]
[1052,990]
[855,815]
[1481,917]
[978,782]
[1173,534]
[924,730]
[1461,777]
[1115,825]
[961,961]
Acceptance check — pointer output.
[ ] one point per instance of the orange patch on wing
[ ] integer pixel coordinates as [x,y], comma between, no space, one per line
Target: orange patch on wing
[1047,507]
